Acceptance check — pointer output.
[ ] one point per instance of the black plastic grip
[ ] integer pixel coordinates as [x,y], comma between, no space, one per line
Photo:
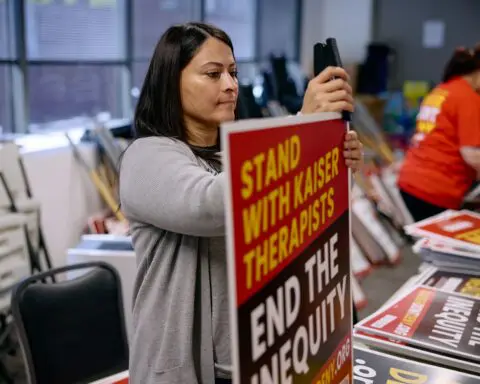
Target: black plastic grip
[333,47]
[319,58]
[336,61]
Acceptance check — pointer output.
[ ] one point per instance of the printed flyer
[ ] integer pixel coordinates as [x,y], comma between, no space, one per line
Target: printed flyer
[288,229]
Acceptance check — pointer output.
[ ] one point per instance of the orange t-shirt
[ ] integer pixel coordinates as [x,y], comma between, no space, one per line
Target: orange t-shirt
[434,169]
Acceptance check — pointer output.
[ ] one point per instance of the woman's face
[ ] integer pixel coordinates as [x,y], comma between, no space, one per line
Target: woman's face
[209,86]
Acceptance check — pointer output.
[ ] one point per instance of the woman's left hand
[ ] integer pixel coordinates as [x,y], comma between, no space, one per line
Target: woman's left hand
[353,151]
[326,95]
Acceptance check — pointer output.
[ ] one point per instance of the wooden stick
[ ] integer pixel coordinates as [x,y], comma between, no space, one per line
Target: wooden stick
[102,188]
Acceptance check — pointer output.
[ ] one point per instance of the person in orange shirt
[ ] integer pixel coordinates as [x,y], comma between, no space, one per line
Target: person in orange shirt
[443,160]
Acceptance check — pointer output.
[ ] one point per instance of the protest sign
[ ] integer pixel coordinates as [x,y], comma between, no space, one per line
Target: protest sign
[453,280]
[400,348]
[288,228]
[455,228]
[433,320]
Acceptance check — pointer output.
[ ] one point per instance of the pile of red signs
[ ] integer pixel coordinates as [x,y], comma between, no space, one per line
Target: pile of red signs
[435,317]
[450,239]
[378,218]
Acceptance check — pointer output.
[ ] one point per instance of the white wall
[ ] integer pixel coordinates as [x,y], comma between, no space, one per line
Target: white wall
[66,194]
[349,21]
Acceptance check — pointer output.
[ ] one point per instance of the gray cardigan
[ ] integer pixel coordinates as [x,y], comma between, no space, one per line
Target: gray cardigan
[163,185]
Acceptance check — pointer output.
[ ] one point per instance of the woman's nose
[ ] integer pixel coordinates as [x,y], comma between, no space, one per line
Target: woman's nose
[229,82]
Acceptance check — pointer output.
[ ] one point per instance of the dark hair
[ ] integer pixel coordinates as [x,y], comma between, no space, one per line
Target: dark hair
[463,62]
[159,109]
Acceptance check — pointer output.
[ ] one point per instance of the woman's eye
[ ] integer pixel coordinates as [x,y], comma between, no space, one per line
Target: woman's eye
[234,74]
[214,75]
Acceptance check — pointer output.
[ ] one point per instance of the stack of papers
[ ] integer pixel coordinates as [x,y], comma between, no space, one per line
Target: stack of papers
[449,240]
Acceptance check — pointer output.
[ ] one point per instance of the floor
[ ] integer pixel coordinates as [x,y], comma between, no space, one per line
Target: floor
[15,368]
[378,287]
[383,282]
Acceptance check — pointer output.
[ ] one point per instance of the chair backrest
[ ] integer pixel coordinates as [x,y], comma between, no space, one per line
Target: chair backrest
[11,169]
[72,331]
[15,263]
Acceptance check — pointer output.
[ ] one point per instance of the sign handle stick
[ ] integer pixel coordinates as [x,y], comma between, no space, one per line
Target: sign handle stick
[324,55]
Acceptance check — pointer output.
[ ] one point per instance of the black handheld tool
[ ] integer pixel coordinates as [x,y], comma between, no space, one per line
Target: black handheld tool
[325,55]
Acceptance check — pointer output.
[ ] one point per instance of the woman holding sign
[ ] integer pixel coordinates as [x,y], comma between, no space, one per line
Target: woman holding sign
[172,191]
[444,157]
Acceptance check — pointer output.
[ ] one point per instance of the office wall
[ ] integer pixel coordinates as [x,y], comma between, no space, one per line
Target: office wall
[66,194]
[400,23]
[349,21]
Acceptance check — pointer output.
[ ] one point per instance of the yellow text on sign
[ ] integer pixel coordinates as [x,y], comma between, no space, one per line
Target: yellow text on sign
[472,287]
[399,376]
[328,376]
[305,201]
[471,237]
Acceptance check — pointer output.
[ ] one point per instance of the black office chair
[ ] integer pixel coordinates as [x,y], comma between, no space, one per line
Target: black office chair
[72,331]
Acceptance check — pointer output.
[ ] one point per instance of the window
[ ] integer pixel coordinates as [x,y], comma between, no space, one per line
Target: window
[139,71]
[77,53]
[278,40]
[75,29]
[153,17]
[61,31]
[248,72]
[6,40]
[237,18]
[66,91]
[5,99]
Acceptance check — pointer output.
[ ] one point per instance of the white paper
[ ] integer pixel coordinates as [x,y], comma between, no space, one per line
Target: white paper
[433,33]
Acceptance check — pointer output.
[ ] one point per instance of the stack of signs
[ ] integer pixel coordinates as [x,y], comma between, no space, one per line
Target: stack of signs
[443,255]
[358,295]
[288,231]
[371,367]
[390,181]
[372,236]
[450,239]
[361,267]
[426,323]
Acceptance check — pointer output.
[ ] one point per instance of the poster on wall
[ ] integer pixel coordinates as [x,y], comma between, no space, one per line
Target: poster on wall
[288,232]
[433,34]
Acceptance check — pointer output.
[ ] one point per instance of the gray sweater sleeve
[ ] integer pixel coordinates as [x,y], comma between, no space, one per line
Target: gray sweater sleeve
[162,184]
